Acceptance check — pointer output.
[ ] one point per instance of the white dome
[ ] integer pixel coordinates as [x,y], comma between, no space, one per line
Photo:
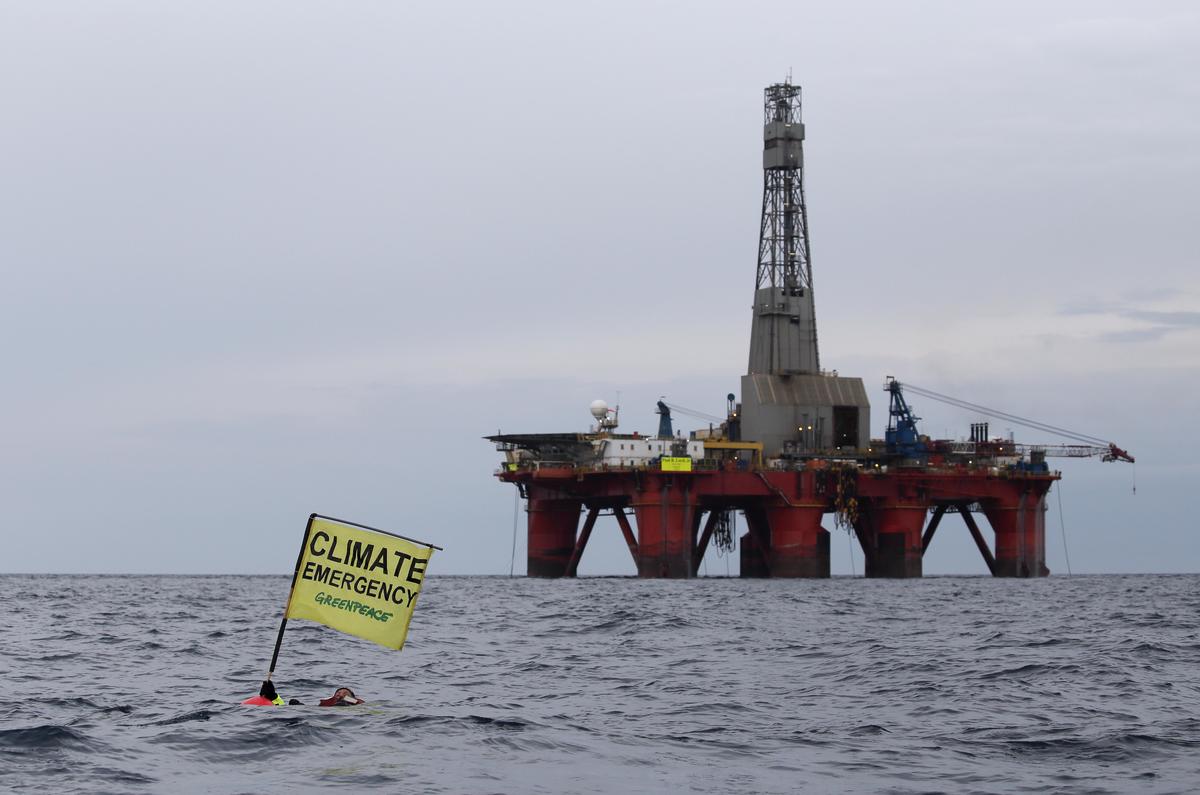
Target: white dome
[599,409]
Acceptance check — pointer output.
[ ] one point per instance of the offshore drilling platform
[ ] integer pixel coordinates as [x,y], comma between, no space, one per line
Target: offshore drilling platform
[795,448]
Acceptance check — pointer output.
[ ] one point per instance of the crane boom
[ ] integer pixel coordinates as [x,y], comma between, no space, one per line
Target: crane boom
[1108,452]
[902,430]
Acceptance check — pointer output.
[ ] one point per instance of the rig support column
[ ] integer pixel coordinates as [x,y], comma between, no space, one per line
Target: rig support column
[897,538]
[799,545]
[754,545]
[665,512]
[552,527]
[1020,526]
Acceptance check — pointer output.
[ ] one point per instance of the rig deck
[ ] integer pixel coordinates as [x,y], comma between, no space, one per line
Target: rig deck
[676,513]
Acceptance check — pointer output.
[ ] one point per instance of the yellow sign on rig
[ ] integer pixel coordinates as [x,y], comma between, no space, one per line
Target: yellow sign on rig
[676,464]
[358,581]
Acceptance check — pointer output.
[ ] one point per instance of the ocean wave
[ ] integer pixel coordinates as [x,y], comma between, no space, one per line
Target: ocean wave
[944,684]
[47,736]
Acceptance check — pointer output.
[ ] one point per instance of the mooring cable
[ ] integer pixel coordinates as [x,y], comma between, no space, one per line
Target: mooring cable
[1063,526]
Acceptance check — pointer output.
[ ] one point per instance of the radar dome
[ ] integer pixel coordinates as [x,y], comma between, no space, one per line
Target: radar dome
[599,409]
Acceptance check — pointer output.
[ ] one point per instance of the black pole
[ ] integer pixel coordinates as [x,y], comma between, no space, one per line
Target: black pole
[283,622]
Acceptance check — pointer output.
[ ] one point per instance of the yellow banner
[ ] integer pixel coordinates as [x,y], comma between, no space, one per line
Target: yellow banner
[358,581]
[676,464]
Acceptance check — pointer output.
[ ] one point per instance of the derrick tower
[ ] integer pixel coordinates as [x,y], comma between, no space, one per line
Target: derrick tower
[783,338]
[788,403]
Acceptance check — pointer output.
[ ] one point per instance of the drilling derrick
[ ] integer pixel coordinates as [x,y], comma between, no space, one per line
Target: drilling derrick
[783,338]
[787,401]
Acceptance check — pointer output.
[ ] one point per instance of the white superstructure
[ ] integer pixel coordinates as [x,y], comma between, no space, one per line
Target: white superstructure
[628,452]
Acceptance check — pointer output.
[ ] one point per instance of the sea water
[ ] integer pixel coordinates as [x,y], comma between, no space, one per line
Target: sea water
[1084,684]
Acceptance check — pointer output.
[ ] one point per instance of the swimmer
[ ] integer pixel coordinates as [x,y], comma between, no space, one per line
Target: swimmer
[342,697]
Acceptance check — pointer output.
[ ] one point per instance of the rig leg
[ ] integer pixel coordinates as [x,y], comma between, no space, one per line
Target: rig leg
[799,545]
[754,545]
[581,542]
[984,550]
[1035,532]
[702,544]
[938,513]
[627,532]
[666,540]
[898,544]
[552,526]
[1020,527]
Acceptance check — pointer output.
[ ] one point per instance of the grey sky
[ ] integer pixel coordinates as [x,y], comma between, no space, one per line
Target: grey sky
[266,259]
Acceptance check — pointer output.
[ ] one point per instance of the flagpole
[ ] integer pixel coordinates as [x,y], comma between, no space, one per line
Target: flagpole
[288,604]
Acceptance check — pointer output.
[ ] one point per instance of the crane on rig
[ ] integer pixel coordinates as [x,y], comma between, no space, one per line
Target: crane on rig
[904,441]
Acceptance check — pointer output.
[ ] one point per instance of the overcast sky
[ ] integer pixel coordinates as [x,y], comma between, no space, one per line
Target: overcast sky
[264,259]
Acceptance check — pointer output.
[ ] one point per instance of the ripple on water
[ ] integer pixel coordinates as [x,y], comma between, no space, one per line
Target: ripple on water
[601,685]
[47,737]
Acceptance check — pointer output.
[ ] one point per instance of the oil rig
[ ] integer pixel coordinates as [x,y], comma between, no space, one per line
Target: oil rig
[795,448]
